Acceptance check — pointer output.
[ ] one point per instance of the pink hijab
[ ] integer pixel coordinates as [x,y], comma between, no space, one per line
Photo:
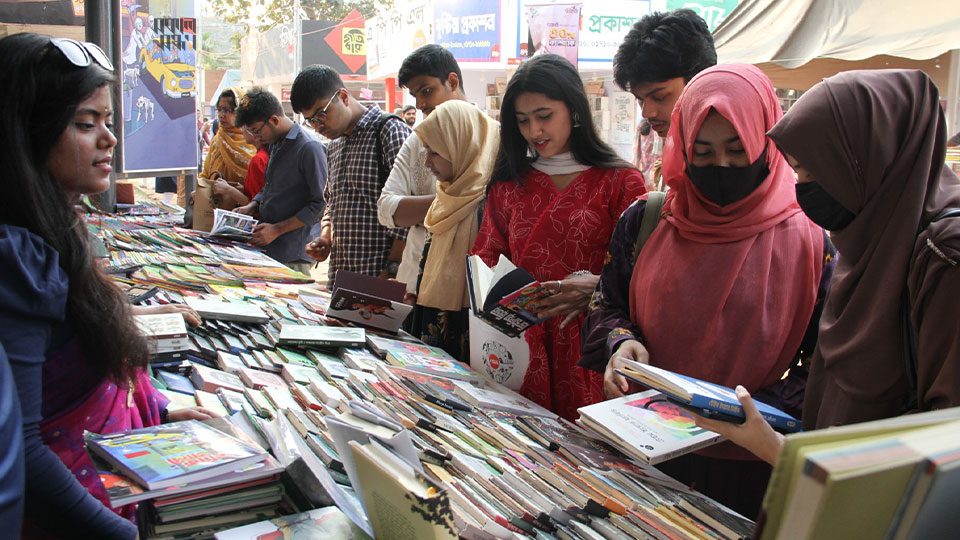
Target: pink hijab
[726,294]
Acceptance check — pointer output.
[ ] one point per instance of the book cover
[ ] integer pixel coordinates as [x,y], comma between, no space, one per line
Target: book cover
[647,426]
[161,325]
[228,311]
[489,399]
[704,398]
[431,364]
[329,522]
[321,336]
[209,379]
[174,454]
[368,301]
[232,225]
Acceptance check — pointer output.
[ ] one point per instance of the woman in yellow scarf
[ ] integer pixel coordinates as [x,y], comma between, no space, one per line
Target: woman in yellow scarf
[226,165]
[462,144]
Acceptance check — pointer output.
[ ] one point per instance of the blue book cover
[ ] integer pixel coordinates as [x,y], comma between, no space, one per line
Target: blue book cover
[176,382]
[706,398]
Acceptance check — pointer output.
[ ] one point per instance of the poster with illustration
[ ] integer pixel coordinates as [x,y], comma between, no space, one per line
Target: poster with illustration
[158,59]
[554,29]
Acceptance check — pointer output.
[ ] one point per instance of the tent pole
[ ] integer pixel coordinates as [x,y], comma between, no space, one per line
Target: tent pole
[100,29]
[953,94]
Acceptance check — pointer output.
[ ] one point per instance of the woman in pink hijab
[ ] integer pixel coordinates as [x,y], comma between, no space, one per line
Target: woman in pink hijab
[869,149]
[726,287]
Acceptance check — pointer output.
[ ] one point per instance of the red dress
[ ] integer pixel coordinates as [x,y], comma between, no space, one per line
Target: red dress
[551,234]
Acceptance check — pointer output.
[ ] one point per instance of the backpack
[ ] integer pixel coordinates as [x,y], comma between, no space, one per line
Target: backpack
[651,216]
[907,330]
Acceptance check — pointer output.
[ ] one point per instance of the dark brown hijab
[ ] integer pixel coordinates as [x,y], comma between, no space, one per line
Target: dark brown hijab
[876,142]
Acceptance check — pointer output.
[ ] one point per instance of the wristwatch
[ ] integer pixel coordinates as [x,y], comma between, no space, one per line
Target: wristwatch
[392,268]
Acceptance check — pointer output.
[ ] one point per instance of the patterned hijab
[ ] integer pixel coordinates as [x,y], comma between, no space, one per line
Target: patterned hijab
[876,142]
[466,137]
[229,153]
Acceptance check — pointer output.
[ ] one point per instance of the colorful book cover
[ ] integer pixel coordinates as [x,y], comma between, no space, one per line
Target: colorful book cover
[431,364]
[173,454]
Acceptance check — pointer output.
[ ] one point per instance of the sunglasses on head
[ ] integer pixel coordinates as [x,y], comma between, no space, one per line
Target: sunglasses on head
[81,54]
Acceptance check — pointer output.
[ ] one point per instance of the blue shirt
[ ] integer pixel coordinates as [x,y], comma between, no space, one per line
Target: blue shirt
[11,458]
[295,177]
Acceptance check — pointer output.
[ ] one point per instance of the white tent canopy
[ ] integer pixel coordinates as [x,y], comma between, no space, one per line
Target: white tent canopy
[793,32]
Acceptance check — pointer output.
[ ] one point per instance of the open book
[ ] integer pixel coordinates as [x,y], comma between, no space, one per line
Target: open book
[232,225]
[502,295]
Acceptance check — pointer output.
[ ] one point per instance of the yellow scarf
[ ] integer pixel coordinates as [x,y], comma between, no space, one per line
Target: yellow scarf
[229,153]
[469,139]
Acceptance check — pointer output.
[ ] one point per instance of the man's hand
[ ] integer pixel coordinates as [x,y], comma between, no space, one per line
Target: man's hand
[318,249]
[614,384]
[264,234]
[571,297]
[247,209]
[755,434]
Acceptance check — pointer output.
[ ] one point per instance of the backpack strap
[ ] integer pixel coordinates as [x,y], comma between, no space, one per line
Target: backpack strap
[908,331]
[382,170]
[651,216]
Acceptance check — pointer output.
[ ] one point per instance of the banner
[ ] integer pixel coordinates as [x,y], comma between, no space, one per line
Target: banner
[554,29]
[341,45]
[624,117]
[158,85]
[603,25]
[395,33]
[712,11]
[470,29]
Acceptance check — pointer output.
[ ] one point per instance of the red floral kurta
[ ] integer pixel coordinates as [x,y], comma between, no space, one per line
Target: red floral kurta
[550,234]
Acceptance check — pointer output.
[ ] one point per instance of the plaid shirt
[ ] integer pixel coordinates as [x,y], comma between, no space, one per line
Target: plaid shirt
[360,243]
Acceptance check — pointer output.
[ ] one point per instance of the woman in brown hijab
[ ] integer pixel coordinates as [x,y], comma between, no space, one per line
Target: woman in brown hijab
[868,148]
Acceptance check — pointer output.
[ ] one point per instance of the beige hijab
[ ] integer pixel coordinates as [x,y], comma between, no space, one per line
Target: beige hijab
[469,139]
[229,153]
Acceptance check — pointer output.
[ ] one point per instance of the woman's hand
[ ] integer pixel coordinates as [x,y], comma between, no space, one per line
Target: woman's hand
[570,297]
[191,316]
[755,434]
[614,384]
[191,413]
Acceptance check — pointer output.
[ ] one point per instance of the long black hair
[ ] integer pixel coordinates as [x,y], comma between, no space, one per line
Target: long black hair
[41,91]
[555,77]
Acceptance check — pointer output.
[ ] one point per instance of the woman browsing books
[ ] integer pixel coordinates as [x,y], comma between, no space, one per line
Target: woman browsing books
[555,195]
[868,148]
[461,143]
[229,156]
[74,350]
[726,286]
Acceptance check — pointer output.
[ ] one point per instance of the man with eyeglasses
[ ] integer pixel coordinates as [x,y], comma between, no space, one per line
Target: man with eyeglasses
[365,145]
[291,201]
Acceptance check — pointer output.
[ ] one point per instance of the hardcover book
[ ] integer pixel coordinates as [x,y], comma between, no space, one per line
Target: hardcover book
[368,301]
[321,336]
[174,454]
[228,311]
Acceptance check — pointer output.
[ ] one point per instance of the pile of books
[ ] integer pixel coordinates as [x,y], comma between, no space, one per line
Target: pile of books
[192,479]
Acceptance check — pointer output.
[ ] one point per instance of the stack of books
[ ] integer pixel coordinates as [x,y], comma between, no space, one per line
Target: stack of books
[166,335]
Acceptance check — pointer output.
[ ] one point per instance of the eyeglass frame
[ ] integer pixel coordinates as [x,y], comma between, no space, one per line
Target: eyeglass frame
[92,53]
[316,118]
[256,133]
[226,110]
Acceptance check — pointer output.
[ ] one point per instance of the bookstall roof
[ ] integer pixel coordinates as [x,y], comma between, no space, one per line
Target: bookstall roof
[793,33]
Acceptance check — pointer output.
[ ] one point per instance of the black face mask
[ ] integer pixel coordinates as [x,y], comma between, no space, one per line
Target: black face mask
[822,208]
[727,185]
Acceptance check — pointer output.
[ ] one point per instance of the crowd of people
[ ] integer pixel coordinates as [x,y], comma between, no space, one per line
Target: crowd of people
[804,258]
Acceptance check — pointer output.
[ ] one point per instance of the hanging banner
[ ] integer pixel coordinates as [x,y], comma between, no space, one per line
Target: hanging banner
[624,118]
[158,85]
[470,29]
[341,45]
[395,33]
[554,29]
[603,25]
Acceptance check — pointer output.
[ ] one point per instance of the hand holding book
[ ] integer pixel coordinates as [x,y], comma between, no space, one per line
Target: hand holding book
[614,384]
[570,297]
[754,434]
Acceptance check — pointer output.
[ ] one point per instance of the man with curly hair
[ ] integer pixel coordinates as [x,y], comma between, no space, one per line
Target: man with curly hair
[660,54]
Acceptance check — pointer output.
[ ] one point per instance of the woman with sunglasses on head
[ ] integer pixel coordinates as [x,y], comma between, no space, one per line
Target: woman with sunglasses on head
[869,148]
[555,194]
[726,286]
[74,350]
[229,156]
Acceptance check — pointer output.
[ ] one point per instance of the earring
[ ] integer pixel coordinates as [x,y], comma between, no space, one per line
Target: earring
[576,120]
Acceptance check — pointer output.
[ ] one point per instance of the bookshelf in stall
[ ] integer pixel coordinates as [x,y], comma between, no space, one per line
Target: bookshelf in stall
[395,433]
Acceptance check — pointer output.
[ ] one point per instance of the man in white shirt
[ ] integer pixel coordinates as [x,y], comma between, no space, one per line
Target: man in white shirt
[432,76]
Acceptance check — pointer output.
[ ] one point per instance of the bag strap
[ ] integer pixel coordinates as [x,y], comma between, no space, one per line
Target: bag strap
[382,171]
[908,332]
[651,216]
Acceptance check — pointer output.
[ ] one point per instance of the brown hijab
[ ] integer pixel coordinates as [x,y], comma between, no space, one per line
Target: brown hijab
[876,142]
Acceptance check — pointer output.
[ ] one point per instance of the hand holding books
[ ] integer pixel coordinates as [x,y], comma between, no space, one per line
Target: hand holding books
[754,434]
[614,384]
[570,297]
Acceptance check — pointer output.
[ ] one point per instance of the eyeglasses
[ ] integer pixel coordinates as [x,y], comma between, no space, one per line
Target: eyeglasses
[82,54]
[320,116]
[255,132]
[226,110]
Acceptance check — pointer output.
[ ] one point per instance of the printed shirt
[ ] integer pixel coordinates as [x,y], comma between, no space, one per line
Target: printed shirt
[360,243]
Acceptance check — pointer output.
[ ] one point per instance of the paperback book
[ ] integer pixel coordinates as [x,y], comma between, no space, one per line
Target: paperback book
[303,335]
[501,296]
[232,225]
[368,301]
